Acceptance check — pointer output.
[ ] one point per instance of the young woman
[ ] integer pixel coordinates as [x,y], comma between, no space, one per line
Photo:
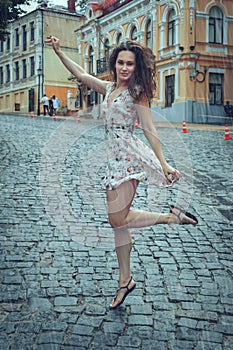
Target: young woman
[130,161]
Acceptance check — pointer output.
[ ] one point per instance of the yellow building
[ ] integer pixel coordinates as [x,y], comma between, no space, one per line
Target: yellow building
[193,44]
[28,68]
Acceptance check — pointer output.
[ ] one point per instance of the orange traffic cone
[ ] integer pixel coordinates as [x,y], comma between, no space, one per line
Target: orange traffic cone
[31,114]
[227,133]
[136,125]
[184,130]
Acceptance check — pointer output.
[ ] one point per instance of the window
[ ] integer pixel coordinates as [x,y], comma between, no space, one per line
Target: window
[32,31]
[8,74]
[216,88]
[32,66]
[106,48]
[1,45]
[91,61]
[149,35]
[24,68]
[24,38]
[169,90]
[16,70]
[171,28]
[216,25]
[134,35]
[1,75]
[17,37]
[8,42]
[119,38]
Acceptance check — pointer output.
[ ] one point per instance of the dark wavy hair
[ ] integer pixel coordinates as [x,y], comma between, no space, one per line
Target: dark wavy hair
[143,79]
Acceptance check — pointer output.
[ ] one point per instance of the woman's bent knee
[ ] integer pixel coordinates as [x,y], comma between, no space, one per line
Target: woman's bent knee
[116,222]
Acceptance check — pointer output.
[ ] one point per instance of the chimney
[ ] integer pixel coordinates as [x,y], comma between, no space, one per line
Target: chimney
[71,5]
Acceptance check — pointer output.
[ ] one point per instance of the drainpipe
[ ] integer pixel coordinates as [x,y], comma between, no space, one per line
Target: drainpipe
[42,49]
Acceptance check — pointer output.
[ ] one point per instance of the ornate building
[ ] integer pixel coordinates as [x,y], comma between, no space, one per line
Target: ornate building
[28,69]
[193,44]
[191,39]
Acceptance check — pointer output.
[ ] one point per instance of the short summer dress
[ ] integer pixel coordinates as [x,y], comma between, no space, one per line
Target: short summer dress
[127,156]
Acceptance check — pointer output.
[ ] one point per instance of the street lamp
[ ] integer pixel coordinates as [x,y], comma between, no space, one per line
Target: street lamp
[39,73]
[97,24]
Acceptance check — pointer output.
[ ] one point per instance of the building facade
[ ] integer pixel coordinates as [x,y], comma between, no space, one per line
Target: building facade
[193,44]
[28,68]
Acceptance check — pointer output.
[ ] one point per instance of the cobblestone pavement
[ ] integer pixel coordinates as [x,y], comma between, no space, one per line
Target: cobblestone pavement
[58,264]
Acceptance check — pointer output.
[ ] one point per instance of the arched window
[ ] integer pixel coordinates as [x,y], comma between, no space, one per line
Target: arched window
[216,25]
[134,35]
[91,60]
[171,28]
[149,34]
[106,48]
[119,38]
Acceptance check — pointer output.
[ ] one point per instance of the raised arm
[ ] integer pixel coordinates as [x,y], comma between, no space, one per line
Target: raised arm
[151,134]
[89,80]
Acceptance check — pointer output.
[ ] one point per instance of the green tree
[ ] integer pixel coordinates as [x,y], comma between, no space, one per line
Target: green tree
[9,10]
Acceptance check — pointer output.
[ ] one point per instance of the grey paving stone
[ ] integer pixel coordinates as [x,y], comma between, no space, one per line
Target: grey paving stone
[18,341]
[82,330]
[94,321]
[7,327]
[181,345]
[144,309]
[143,332]
[129,342]
[201,345]
[78,341]
[29,327]
[41,304]
[184,333]
[51,338]
[48,346]
[65,301]
[56,326]
[153,344]
[187,322]
[113,327]
[140,320]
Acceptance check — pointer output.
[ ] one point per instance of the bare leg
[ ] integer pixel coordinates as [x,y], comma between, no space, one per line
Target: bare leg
[120,215]
[121,218]
[123,241]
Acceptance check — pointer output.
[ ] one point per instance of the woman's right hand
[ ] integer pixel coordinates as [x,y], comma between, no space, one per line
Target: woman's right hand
[55,42]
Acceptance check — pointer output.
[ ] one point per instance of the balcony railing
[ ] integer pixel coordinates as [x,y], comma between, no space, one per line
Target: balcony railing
[102,65]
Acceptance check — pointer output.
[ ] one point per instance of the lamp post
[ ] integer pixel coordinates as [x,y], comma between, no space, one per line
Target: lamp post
[97,24]
[39,73]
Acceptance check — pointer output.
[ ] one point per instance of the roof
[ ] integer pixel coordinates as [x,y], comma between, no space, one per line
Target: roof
[60,9]
[109,5]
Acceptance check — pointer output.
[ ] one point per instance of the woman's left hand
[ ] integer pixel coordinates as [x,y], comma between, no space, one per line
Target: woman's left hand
[171,174]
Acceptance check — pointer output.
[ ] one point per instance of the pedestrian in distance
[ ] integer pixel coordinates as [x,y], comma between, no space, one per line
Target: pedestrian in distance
[228,109]
[45,101]
[50,106]
[129,160]
[56,104]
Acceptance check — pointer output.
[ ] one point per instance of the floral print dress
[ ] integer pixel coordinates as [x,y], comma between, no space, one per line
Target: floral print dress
[127,156]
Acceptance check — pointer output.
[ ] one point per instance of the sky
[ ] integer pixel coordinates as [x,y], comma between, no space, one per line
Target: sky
[34,4]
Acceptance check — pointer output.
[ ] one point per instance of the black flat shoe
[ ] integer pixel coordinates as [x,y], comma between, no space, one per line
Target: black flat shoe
[125,295]
[182,212]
